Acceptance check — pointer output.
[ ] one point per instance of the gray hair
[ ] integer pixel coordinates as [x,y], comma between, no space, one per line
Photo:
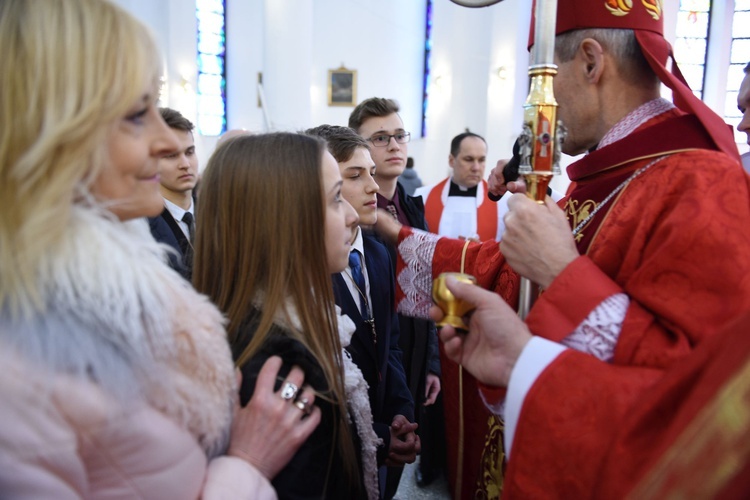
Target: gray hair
[621,44]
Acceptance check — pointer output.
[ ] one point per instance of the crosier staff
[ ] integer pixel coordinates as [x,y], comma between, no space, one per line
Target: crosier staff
[542,135]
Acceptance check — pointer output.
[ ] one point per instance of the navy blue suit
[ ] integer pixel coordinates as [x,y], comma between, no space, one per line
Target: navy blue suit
[165,229]
[380,363]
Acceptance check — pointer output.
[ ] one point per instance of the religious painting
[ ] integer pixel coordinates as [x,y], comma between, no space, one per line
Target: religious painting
[342,87]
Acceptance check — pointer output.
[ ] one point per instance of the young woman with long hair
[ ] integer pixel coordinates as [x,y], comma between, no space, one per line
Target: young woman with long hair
[275,228]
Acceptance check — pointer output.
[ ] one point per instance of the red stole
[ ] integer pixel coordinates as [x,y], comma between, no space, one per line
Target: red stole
[600,172]
[486,212]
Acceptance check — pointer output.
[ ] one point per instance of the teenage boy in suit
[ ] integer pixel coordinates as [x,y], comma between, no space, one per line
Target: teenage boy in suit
[365,293]
[178,172]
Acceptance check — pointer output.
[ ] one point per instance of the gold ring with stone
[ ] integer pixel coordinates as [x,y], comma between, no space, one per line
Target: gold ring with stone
[304,405]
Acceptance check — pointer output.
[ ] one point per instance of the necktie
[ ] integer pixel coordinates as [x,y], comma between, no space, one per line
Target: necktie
[190,221]
[355,264]
[392,209]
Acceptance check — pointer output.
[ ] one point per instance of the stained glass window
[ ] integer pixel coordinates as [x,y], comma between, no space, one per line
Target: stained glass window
[427,65]
[212,83]
[738,59]
[691,41]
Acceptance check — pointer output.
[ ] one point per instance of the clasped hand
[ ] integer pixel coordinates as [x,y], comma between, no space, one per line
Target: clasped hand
[405,444]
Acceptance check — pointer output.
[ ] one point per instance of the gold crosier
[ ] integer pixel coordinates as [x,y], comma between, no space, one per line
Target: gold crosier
[540,146]
[542,136]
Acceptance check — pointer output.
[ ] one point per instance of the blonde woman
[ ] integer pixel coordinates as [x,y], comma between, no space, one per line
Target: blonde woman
[117,377]
[278,229]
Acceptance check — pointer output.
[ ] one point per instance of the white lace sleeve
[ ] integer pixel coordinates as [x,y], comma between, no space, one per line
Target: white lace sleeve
[415,279]
[598,333]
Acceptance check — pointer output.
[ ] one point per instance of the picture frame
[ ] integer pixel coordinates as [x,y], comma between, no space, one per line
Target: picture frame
[342,87]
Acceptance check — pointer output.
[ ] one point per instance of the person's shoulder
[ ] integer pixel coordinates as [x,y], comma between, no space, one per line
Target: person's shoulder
[373,243]
[700,163]
[424,191]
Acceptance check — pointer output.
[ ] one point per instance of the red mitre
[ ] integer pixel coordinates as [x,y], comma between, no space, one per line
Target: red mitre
[645,17]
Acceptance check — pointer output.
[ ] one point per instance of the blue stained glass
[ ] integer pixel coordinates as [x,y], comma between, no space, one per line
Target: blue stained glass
[208,63]
[211,67]
[210,22]
[427,66]
[210,84]
[210,5]
[211,104]
[210,43]
[212,125]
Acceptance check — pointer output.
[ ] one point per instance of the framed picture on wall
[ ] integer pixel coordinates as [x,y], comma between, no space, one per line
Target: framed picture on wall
[342,87]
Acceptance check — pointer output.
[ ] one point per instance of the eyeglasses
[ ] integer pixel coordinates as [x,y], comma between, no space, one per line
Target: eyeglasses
[382,140]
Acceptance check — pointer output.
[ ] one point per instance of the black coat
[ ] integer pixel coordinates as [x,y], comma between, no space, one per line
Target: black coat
[420,356]
[316,470]
[380,363]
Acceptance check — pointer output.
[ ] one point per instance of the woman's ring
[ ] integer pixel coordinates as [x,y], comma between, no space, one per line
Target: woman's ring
[289,391]
[302,404]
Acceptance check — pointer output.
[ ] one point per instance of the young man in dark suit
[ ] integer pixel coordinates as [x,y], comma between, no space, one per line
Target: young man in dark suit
[175,226]
[377,120]
[365,292]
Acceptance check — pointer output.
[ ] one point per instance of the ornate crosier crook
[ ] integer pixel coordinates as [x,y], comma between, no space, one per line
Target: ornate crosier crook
[542,135]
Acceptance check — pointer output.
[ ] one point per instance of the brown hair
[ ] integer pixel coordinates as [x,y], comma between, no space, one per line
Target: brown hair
[342,141]
[261,245]
[174,119]
[369,108]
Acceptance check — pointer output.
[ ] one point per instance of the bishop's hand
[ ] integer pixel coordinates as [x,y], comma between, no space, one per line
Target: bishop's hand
[537,242]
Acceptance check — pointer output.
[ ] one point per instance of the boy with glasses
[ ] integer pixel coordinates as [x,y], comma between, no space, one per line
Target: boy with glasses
[377,120]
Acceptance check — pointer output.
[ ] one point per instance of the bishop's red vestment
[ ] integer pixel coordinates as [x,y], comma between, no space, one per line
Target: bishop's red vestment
[675,240]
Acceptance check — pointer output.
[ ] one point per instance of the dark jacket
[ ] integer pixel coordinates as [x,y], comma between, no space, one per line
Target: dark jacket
[316,470]
[165,229]
[380,363]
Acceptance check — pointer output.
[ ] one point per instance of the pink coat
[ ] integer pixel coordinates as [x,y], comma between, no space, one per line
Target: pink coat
[121,387]
[71,440]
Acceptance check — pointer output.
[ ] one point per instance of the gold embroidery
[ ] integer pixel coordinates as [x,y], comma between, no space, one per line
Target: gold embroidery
[619,8]
[653,7]
[490,481]
[579,212]
[718,435]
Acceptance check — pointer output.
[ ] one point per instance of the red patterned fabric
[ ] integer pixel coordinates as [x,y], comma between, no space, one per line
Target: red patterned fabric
[676,241]
[689,436]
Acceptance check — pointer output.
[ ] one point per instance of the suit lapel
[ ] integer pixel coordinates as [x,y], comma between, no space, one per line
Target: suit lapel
[175,227]
[362,338]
